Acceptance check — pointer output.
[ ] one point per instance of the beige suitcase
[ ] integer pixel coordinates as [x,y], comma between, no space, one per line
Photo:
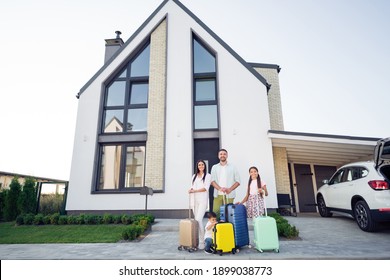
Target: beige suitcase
[188,233]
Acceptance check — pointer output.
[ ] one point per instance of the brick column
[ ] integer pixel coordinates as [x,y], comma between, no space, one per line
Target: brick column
[274,100]
[155,145]
[281,170]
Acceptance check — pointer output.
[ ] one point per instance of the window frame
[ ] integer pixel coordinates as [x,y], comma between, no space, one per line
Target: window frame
[199,77]
[124,138]
[128,92]
[122,171]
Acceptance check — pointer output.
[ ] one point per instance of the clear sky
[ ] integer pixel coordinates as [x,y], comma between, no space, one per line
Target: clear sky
[334,55]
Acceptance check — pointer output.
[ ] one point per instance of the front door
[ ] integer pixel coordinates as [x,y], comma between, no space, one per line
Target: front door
[303,177]
[207,149]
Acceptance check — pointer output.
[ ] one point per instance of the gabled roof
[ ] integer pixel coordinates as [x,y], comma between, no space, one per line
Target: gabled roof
[195,18]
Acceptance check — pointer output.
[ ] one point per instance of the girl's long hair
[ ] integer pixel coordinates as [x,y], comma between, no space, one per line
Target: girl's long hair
[197,170]
[250,179]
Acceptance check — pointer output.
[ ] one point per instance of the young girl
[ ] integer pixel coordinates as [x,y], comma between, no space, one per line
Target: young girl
[201,181]
[256,191]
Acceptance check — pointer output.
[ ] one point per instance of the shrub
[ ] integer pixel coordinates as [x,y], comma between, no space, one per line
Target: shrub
[50,203]
[132,232]
[80,219]
[27,202]
[11,210]
[54,218]
[62,220]
[46,220]
[92,219]
[107,218]
[125,234]
[28,219]
[148,217]
[117,219]
[19,220]
[143,223]
[3,197]
[38,219]
[126,219]
[72,220]
[284,228]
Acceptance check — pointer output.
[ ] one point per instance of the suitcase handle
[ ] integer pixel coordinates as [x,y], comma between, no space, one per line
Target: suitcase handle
[265,206]
[189,205]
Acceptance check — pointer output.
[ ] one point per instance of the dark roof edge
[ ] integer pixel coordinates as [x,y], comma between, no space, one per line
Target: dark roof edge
[265,65]
[184,8]
[128,41]
[324,135]
[30,176]
[226,46]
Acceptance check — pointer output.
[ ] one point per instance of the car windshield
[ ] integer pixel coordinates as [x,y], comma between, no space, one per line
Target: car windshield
[337,177]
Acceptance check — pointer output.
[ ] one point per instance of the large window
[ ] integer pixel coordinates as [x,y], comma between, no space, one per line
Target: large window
[205,90]
[126,97]
[127,159]
[122,138]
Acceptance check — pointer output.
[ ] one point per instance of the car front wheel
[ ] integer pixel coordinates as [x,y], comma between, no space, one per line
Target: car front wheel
[363,216]
[324,211]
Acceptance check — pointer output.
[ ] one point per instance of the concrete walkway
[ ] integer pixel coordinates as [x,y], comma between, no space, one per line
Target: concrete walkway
[320,238]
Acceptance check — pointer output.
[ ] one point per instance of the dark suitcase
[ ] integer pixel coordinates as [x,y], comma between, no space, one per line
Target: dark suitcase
[236,214]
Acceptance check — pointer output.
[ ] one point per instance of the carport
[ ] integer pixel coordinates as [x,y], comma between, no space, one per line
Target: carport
[311,158]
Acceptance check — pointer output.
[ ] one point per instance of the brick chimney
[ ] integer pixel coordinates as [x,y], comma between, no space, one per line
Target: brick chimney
[112,45]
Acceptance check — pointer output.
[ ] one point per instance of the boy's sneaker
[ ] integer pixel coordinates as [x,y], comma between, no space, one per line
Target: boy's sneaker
[208,251]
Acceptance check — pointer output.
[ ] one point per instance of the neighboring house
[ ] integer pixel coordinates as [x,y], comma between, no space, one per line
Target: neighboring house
[49,185]
[174,93]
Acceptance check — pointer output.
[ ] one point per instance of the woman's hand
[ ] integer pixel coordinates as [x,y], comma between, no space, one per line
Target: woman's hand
[191,190]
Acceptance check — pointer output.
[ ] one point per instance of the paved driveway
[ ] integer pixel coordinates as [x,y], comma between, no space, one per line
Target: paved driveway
[320,238]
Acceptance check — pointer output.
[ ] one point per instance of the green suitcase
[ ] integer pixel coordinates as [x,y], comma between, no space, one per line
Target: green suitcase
[266,233]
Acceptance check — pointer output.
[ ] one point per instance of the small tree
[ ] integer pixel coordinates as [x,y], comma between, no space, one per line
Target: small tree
[3,195]
[11,210]
[27,202]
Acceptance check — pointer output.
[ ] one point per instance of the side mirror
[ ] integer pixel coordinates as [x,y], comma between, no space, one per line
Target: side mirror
[325,181]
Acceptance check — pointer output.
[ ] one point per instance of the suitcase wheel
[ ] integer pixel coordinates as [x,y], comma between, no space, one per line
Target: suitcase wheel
[180,248]
[277,250]
[234,251]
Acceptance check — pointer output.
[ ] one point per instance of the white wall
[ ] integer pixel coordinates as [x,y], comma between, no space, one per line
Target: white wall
[243,126]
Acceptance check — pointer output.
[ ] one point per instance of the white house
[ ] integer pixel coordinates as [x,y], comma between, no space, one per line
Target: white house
[174,93]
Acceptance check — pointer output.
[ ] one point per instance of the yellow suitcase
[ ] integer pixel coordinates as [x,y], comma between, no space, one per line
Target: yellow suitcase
[223,238]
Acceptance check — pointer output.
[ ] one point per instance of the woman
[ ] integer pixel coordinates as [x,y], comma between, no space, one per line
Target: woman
[256,191]
[199,196]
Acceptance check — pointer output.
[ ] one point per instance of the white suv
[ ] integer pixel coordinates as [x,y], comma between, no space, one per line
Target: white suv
[360,189]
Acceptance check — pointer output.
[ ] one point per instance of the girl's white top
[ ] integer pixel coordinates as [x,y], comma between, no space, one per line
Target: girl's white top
[253,186]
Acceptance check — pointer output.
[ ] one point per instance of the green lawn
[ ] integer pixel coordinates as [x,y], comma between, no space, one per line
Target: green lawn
[11,234]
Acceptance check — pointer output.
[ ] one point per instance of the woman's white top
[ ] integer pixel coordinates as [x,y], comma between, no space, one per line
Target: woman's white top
[199,184]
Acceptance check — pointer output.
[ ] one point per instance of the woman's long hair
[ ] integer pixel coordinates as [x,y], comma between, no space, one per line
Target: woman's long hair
[250,179]
[198,171]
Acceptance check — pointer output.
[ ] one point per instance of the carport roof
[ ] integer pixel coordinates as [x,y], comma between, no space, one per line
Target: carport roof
[323,149]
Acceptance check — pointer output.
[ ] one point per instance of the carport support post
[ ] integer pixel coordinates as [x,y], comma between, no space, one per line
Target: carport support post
[39,186]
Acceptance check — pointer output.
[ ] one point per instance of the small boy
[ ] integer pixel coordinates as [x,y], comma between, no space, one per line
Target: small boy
[208,235]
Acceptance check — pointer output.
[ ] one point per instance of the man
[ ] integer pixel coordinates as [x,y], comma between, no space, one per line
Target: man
[225,179]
